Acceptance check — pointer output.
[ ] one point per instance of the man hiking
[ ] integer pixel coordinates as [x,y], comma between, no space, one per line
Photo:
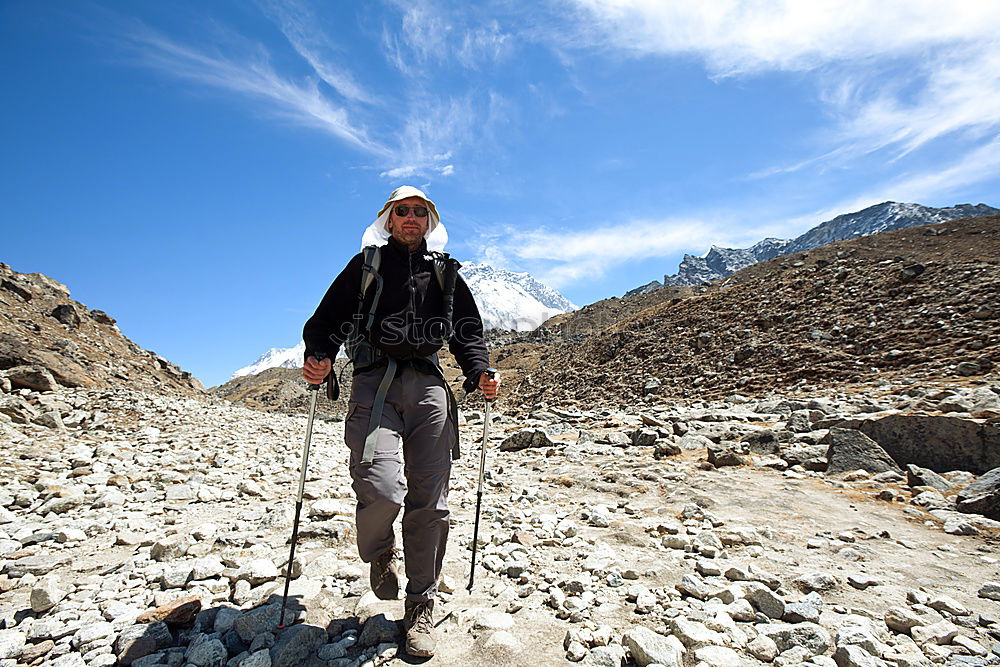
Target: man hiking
[394,306]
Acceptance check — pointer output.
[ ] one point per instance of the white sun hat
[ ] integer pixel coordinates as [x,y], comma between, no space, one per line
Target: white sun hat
[377,233]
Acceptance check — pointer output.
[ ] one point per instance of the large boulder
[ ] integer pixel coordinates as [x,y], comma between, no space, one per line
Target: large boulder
[15,352]
[982,496]
[67,314]
[848,449]
[939,443]
[525,438]
[36,378]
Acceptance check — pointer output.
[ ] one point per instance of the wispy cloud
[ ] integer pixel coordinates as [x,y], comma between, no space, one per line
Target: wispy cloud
[300,25]
[251,75]
[960,92]
[418,139]
[893,76]
[561,257]
[431,34]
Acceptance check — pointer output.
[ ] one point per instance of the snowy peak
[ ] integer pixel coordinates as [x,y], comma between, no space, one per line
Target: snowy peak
[881,218]
[276,357]
[509,300]
[721,262]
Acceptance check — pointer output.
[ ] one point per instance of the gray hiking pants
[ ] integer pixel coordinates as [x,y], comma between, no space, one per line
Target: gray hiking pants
[410,470]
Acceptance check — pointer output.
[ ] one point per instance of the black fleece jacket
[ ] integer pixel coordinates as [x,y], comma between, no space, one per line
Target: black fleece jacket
[408,317]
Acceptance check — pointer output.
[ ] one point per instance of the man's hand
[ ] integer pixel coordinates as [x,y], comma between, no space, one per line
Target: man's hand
[316,371]
[488,385]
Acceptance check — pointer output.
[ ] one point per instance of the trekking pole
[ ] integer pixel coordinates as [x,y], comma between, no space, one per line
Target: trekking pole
[313,393]
[479,492]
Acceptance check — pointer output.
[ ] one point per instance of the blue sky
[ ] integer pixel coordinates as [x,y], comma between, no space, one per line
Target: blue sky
[201,171]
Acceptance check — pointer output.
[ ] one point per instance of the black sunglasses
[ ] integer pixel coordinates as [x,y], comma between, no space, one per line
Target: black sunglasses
[403,210]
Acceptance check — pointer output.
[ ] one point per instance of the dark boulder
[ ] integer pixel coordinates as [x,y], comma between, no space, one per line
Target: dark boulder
[917,476]
[67,314]
[936,442]
[982,496]
[848,450]
[762,442]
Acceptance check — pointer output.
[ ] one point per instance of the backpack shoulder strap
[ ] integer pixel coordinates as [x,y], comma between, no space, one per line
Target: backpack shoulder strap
[446,272]
[369,269]
[443,266]
[369,274]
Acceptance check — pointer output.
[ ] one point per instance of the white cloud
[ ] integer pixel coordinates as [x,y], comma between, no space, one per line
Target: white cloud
[431,34]
[564,256]
[433,129]
[300,26]
[252,75]
[743,36]
[404,171]
[893,75]
[961,93]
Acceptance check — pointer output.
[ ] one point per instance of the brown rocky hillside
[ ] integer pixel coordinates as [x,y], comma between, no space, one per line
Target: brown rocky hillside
[919,302]
[48,338]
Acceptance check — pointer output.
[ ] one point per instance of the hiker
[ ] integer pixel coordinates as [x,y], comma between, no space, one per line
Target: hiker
[393,308]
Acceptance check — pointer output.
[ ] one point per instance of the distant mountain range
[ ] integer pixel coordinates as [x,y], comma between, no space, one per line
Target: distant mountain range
[506,300]
[721,262]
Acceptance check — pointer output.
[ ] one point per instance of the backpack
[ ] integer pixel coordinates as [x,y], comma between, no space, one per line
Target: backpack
[445,268]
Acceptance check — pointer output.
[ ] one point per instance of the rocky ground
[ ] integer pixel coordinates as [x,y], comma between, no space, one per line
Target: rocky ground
[918,302]
[152,530]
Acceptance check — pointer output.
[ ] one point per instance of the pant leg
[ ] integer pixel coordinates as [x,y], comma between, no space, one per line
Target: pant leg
[380,488]
[428,438]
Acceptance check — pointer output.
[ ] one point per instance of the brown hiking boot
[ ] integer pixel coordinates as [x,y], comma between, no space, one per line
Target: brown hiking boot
[383,576]
[419,624]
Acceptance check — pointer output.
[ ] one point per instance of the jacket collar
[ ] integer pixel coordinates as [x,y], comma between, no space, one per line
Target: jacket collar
[403,250]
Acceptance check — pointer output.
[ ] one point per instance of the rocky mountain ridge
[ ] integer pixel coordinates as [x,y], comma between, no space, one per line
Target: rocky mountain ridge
[47,339]
[915,302]
[721,262]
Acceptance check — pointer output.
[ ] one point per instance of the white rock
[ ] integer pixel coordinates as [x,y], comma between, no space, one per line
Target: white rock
[718,656]
[939,633]
[763,648]
[648,648]
[503,640]
[694,634]
[70,535]
[207,567]
[493,621]
[11,643]
[258,571]
[205,531]
[94,632]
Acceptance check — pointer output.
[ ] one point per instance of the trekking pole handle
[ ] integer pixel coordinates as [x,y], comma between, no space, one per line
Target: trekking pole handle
[492,372]
[318,356]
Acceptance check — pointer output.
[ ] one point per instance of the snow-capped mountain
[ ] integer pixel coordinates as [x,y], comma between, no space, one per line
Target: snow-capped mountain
[506,300]
[881,218]
[276,357]
[721,262]
[509,300]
